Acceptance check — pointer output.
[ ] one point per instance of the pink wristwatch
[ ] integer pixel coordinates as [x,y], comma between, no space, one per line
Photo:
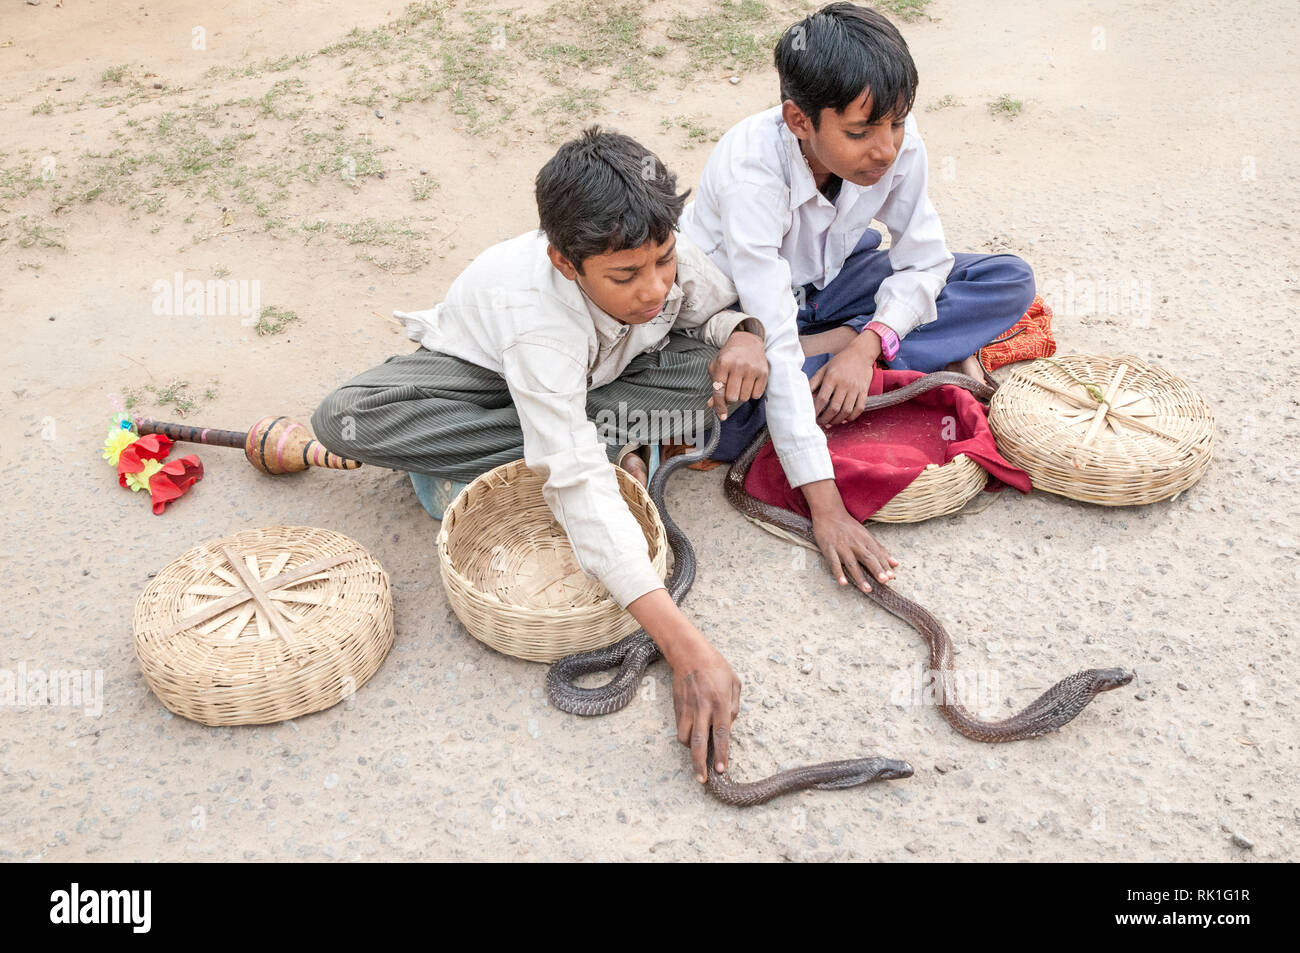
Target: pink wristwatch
[888,339]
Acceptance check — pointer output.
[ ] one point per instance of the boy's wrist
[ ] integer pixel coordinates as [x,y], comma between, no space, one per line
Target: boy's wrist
[823,498]
[666,625]
[752,326]
[886,339]
[868,344]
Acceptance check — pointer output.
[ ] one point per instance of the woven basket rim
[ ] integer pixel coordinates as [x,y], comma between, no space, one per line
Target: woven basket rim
[506,474]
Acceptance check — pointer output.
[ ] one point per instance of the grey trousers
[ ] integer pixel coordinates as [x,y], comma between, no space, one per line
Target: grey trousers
[427,412]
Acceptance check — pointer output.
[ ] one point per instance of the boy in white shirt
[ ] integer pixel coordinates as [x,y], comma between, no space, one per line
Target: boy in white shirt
[606,313]
[784,209]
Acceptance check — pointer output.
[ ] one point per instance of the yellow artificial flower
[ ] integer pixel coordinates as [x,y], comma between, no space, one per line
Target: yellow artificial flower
[117,441]
[140,481]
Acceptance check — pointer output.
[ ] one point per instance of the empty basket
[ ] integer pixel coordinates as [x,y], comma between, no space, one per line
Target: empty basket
[511,575]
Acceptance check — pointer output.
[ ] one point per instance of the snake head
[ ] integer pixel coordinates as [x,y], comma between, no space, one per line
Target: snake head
[890,770]
[1106,679]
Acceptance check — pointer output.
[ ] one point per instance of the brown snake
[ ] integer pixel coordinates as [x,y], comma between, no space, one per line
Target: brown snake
[1050,711]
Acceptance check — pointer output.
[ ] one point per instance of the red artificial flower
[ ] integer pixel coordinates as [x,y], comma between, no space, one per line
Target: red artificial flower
[173,480]
[152,446]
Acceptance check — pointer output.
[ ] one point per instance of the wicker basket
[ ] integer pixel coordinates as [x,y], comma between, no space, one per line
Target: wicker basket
[937,491]
[1153,438]
[265,625]
[511,575]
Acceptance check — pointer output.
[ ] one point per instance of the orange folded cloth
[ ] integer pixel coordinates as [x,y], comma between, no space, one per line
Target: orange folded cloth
[1028,338]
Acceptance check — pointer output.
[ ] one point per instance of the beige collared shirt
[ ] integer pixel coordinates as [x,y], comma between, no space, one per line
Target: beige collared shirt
[512,312]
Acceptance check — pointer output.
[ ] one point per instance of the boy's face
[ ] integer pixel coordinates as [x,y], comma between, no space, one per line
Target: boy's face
[631,285]
[845,144]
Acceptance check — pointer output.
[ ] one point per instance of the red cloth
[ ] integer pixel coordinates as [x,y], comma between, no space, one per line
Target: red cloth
[878,455]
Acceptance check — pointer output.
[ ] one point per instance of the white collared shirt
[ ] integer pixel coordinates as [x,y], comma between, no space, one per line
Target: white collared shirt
[759,215]
[512,312]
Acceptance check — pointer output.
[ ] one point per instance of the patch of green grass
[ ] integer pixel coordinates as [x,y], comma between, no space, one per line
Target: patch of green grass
[590,34]
[282,63]
[403,243]
[273,320]
[429,15]
[907,10]
[332,154]
[109,176]
[214,74]
[44,108]
[471,74]
[567,108]
[696,131]
[35,233]
[738,34]
[422,187]
[1006,106]
[113,74]
[270,103]
[175,393]
[638,75]
[17,183]
[186,156]
[946,101]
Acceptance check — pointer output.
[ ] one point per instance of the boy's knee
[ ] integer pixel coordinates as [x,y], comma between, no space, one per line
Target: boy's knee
[333,423]
[1015,271]
[1018,270]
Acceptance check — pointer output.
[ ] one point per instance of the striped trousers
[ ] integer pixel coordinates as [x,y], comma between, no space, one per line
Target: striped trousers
[428,412]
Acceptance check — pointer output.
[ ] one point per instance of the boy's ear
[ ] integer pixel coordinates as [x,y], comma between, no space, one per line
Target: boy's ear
[562,264]
[797,120]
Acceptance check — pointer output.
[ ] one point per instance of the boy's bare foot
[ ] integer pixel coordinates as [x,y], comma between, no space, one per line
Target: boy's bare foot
[635,466]
[970,367]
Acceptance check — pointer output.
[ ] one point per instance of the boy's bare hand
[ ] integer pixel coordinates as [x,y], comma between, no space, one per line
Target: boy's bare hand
[706,700]
[740,367]
[841,385]
[846,544]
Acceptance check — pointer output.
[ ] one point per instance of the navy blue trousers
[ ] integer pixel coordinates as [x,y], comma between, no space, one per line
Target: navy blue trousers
[985,295]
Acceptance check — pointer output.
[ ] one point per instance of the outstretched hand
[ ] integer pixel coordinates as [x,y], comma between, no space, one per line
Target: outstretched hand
[706,700]
[850,550]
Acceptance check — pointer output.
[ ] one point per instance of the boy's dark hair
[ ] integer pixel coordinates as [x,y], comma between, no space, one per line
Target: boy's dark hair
[605,192]
[828,60]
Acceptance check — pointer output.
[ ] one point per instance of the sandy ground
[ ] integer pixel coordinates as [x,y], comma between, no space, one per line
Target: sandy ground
[1155,150]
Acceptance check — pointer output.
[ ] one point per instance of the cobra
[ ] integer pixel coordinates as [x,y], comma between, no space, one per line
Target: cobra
[630,657]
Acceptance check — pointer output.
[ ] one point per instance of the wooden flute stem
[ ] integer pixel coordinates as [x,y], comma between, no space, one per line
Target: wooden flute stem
[188,434]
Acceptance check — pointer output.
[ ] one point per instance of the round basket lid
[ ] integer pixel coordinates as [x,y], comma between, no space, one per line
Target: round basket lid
[1111,430]
[264,625]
